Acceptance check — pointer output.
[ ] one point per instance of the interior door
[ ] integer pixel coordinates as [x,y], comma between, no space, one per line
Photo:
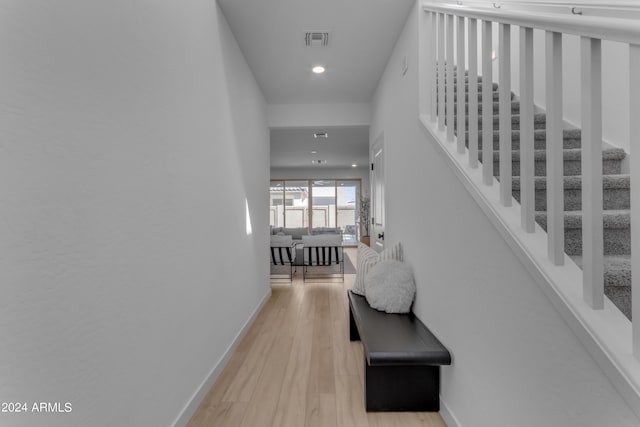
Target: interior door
[377,194]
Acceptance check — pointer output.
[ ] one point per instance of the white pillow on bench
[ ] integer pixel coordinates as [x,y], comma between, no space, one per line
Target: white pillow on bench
[367,258]
[390,287]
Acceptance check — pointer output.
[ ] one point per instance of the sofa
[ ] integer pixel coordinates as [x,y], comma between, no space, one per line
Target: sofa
[296,233]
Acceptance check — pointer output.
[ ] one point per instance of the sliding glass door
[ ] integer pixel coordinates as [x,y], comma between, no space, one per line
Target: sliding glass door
[323,202]
[348,202]
[296,206]
[316,203]
[276,204]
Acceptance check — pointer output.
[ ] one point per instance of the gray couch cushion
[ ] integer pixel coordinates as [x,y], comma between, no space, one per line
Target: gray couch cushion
[296,233]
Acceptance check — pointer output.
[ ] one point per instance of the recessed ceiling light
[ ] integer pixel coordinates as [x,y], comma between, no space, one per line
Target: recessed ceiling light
[314,152]
[321,135]
[354,165]
[318,69]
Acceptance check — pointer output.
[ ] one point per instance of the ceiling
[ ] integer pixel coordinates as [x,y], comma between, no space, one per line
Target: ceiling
[362,33]
[343,147]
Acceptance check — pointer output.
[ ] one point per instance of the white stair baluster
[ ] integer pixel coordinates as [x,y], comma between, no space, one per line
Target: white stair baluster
[487,104]
[504,89]
[425,63]
[527,183]
[473,92]
[592,233]
[433,66]
[440,77]
[450,80]
[555,161]
[460,53]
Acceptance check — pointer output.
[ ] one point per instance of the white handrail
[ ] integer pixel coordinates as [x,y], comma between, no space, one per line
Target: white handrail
[613,29]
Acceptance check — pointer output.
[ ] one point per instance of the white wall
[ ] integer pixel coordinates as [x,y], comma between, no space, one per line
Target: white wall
[515,360]
[123,251]
[310,115]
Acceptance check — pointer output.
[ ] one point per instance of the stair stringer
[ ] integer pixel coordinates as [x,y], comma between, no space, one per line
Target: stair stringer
[606,334]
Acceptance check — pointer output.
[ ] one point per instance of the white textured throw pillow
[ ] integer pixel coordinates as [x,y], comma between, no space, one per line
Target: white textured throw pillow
[367,258]
[390,287]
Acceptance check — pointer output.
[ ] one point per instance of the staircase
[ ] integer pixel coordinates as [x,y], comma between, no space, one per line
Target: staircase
[616,195]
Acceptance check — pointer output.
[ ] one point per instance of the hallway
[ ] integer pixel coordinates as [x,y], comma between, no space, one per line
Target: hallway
[296,367]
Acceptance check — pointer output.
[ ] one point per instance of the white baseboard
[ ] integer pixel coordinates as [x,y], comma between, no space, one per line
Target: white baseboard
[448,417]
[195,400]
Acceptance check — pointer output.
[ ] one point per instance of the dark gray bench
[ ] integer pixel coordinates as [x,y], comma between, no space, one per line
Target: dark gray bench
[402,359]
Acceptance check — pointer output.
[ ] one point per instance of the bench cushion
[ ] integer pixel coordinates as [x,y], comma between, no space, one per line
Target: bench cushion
[395,339]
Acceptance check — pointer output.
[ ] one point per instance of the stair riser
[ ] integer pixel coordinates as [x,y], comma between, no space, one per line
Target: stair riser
[515,108]
[613,199]
[619,279]
[538,144]
[494,87]
[617,241]
[495,97]
[455,78]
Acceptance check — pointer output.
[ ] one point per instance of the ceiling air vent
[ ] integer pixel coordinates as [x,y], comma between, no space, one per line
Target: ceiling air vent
[316,39]
[319,162]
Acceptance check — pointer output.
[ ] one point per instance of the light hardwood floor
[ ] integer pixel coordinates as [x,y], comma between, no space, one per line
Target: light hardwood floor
[296,367]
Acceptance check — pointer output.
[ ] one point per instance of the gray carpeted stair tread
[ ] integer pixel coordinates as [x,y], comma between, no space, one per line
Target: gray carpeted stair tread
[571,139]
[614,219]
[616,231]
[539,121]
[572,164]
[538,134]
[515,107]
[616,193]
[575,182]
